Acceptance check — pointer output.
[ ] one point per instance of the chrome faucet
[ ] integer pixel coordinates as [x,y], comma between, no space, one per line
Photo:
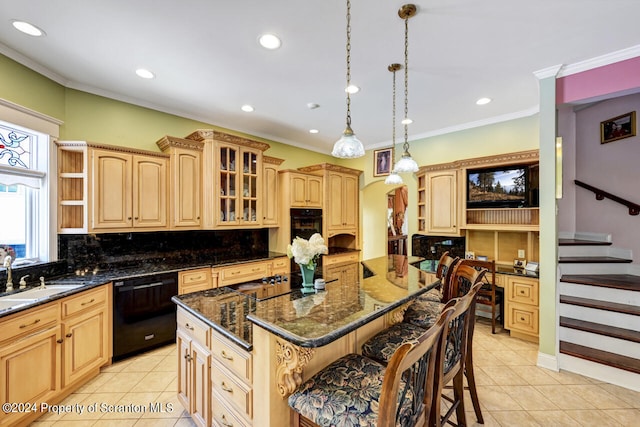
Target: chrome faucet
[7,264]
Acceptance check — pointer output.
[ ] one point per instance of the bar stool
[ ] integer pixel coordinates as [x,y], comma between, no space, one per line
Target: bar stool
[420,315]
[443,272]
[356,390]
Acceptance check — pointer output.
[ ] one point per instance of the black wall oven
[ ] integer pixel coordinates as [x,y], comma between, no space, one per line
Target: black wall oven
[305,222]
[144,316]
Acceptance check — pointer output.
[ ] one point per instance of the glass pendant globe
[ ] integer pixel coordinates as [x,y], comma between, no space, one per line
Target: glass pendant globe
[393,179]
[348,146]
[406,164]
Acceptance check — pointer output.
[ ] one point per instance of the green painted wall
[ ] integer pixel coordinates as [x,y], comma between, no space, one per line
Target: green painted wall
[27,88]
[514,135]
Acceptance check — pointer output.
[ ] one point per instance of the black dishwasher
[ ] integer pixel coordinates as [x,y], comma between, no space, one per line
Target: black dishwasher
[144,317]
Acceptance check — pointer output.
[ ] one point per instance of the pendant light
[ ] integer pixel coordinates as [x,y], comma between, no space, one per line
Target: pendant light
[348,146]
[406,164]
[393,178]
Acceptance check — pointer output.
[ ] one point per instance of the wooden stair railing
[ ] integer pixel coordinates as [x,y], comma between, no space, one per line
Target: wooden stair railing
[634,209]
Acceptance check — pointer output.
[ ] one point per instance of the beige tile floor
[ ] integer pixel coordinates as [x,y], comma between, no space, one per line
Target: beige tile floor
[513,391]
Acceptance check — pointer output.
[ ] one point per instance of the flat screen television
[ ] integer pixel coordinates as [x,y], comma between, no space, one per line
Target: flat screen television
[511,186]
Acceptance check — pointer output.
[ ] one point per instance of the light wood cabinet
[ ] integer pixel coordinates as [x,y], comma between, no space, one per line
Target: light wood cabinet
[438,202]
[128,190]
[194,367]
[341,205]
[244,272]
[185,189]
[522,307]
[194,280]
[270,208]
[233,189]
[303,191]
[105,188]
[48,351]
[232,383]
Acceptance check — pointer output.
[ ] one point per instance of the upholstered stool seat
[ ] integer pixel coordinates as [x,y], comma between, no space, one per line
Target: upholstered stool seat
[382,346]
[434,295]
[423,313]
[346,393]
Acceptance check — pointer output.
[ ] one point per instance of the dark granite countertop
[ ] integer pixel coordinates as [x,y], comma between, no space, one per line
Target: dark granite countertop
[91,279]
[316,319]
[430,265]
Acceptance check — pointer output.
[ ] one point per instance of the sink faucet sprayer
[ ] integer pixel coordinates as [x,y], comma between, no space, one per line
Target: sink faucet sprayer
[7,263]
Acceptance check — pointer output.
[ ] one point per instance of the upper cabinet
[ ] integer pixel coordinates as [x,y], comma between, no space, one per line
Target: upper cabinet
[442,213]
[232,180]
[270,216]
[340,203]
[186,181]
[104,188]
[303,190]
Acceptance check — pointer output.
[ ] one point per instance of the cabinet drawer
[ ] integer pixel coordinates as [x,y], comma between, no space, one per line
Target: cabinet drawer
[28,322]
[223,416]
[192,327]
[242,273]
[231,357]
[84,301]
[522,318]
[280,263]
[195,276]
[232,389]
[501,280]
[523,291]
[336,259]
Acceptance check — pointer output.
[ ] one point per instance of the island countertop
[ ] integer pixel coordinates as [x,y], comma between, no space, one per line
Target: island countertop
[312,320]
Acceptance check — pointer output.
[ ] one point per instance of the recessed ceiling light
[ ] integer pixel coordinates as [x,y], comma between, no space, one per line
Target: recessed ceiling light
[269,41]
[352,89]
[406,121]
[313,131]
[27,28]
[144,73]
[247,108]
[483,101]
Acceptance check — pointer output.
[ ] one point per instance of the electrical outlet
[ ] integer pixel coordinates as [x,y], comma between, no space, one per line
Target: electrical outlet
[521,253]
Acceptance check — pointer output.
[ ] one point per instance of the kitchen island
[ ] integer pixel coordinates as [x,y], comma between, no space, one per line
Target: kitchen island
[260,350]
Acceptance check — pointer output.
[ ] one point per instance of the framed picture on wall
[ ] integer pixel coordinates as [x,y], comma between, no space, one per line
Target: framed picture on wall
[382,162]
[618,127]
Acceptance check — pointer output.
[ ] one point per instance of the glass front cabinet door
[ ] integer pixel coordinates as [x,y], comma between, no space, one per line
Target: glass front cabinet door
[239,185]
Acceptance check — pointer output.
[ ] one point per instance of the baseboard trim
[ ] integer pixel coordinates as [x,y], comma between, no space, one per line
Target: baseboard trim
[548,361]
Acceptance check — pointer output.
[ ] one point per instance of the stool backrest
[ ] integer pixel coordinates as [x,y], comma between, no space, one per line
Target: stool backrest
[463,278]
[444,272]
[415,363]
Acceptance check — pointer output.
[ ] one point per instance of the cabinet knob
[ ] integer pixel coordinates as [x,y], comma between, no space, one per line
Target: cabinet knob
[69,335]
[136,218]
[225,423]
[225,355]
[226,387]
[59,341]
[129,218]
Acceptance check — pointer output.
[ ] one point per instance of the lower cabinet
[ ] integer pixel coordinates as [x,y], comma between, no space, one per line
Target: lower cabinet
[194,366]
[48,351]
[194,280]
[214,375]
[522,307]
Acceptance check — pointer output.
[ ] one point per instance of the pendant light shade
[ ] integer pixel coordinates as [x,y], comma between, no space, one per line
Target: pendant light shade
[393,179]
[406,164]
[348,146]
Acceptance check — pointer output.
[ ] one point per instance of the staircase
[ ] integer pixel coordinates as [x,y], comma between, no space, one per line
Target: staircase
[599,311]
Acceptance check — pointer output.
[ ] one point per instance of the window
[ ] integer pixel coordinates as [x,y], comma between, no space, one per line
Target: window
[24,192]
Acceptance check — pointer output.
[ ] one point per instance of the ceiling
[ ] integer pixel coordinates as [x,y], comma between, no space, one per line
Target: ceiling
[208,62]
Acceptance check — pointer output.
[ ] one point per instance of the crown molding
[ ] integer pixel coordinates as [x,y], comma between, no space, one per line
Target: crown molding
[600,61]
